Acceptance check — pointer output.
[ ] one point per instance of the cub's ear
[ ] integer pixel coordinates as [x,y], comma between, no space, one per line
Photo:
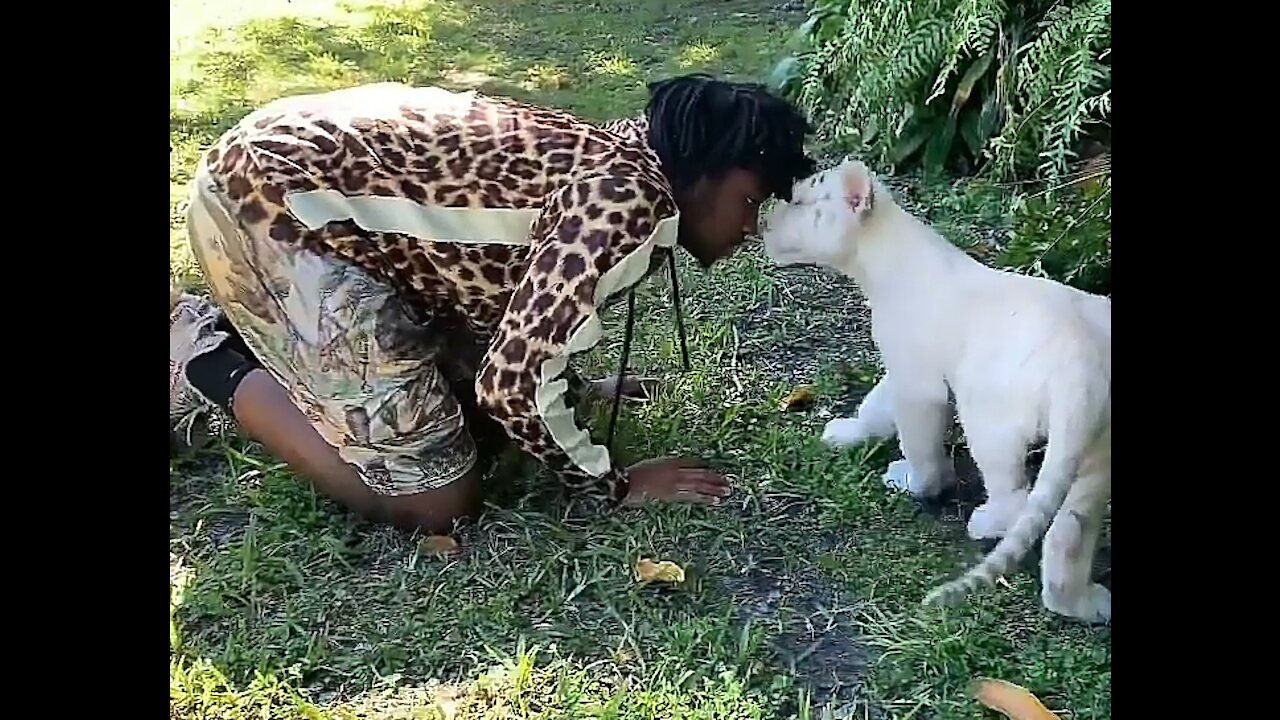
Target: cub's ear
[856,180]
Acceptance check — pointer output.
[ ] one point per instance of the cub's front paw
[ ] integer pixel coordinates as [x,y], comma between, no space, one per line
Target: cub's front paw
[902,477]
[844,432]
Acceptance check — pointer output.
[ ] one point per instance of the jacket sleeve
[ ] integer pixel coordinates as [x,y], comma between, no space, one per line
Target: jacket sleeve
[594,240]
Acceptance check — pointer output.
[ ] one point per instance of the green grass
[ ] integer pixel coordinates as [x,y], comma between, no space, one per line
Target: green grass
[801,597]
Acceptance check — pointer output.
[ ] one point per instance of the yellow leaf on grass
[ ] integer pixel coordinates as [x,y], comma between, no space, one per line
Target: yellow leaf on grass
[798,399]
[438,545]
[665,571]
[1012,701]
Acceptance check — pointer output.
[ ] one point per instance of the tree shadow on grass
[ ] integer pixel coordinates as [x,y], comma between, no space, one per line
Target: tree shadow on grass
[592,58]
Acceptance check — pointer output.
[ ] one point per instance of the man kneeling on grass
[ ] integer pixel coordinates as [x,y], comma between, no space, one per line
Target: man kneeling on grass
[399,275]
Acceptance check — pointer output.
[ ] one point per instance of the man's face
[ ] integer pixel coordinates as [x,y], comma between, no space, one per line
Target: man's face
[718,214]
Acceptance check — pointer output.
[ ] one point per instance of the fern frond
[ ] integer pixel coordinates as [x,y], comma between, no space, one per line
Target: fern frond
[972,30]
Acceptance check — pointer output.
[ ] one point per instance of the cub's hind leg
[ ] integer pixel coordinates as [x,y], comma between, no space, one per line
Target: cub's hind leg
[874,420]
[999,448]
[1072,540]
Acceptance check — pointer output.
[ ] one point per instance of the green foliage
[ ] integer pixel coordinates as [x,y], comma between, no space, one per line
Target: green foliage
[1063,233]
[1064,236]
[1012,90]
[953,85]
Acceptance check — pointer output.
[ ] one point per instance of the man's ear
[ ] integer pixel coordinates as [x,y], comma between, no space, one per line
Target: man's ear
[856,181]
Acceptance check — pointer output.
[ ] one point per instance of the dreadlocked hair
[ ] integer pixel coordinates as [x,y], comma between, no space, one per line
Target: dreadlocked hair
[701,126]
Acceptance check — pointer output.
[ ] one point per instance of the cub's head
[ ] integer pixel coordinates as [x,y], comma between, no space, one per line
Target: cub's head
[821,224]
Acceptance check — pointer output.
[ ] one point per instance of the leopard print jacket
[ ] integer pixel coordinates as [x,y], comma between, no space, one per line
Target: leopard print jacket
[521,221]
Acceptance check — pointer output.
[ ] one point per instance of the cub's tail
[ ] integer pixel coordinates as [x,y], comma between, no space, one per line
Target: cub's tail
[1052,484]
[1071,431]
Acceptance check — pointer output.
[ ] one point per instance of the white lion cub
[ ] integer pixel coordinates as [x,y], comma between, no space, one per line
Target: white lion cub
[1024,358]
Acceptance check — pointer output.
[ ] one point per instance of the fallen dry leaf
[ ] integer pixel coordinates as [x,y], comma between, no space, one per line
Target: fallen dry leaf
[665,571]
[1012,701]
[798,399]
[438,545]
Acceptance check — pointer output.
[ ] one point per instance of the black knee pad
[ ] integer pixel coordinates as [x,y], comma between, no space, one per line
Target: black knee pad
[217,373]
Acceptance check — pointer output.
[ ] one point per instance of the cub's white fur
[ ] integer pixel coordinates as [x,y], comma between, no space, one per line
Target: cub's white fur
[1025,359]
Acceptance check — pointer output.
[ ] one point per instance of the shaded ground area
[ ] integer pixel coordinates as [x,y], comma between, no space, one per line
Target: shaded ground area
[802,594]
